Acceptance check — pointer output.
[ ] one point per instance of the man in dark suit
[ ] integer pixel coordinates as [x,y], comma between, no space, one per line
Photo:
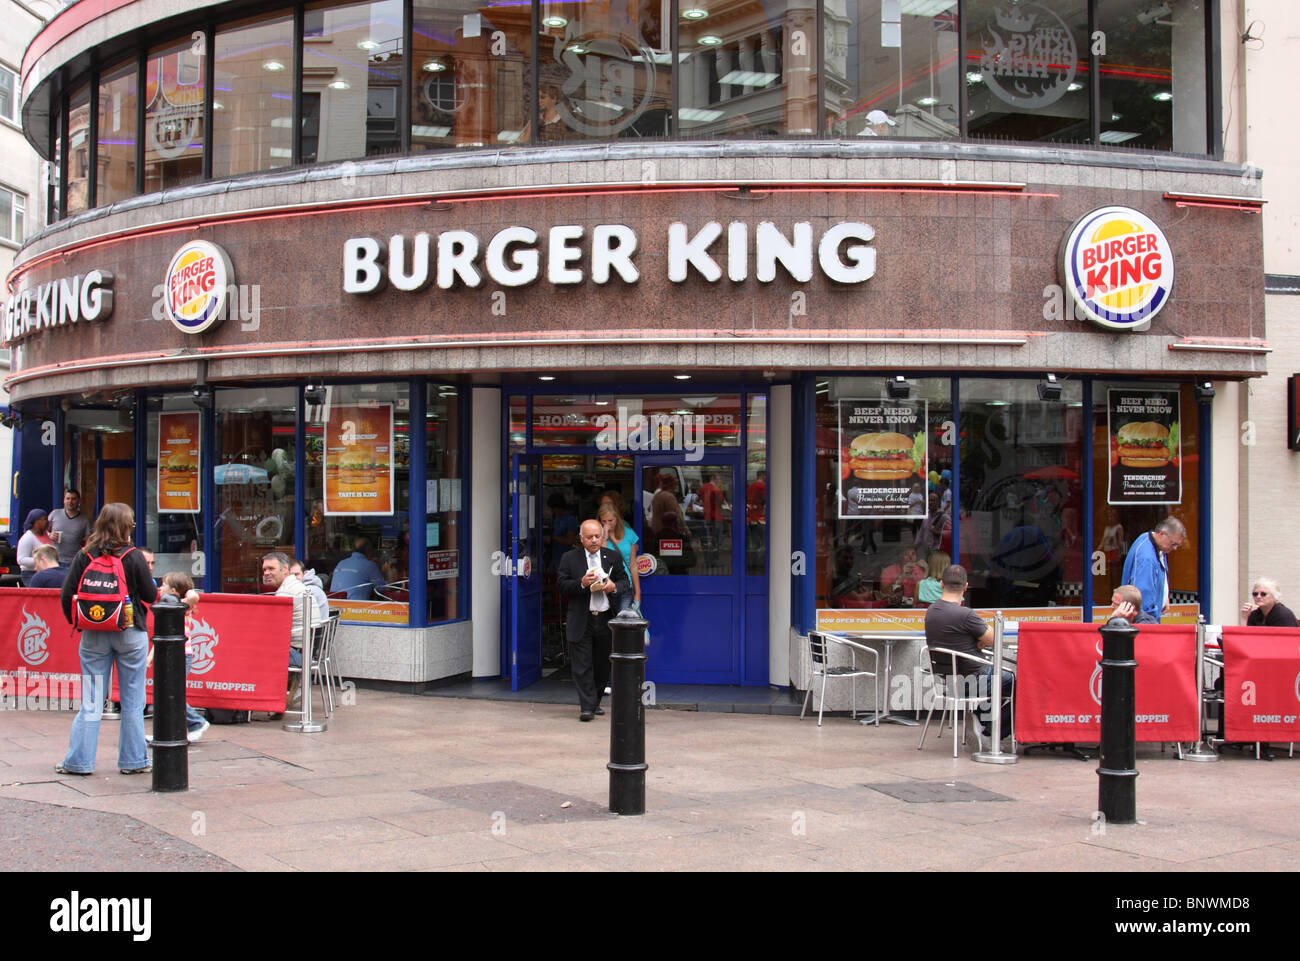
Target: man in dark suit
[590,576]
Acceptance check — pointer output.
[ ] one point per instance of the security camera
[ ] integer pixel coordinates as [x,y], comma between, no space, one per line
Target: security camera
[1204,390]
[1049,388]
[313,394]
[900,388]
[201,394]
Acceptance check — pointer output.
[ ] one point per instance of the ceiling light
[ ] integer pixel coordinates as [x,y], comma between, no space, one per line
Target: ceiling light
[681,376]
[709,40]
[339,85]
[694,13]
[546,377]
[273,65]
[1117,136]
[1164,96]
[1074,87]
[928,101]
[578,48]
[974,76]
[748,78]
[433,66]
[218,105]
[554,21]
[367,44]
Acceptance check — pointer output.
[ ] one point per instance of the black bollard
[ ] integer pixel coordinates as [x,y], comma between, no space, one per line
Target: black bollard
[627,765]
[1117,775]
[171,765]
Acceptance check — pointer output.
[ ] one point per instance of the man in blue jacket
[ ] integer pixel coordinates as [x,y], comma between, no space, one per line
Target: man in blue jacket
[1147,564]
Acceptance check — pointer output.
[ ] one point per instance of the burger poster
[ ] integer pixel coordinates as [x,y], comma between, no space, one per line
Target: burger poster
[1145,449]
[178,463]
[882,456]
[359,460]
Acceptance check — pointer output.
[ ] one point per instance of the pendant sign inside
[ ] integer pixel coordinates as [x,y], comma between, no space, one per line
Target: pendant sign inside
[1118,268]
[196,290]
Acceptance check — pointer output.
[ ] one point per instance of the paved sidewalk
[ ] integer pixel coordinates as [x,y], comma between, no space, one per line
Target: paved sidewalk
[421,783]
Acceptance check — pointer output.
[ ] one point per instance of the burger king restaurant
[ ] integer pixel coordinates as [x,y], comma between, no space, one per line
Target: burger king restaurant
[420,374]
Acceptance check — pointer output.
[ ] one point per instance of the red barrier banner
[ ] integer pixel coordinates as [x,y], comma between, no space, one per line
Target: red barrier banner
[1058,683]
[1261,685]
[240,643]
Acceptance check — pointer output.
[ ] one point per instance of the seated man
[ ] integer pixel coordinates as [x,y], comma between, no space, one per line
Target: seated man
[314,587]
[1126,602]
[950,625]
[357,574]
[48,572]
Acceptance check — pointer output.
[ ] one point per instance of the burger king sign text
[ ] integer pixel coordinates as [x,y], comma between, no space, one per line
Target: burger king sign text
[1118,268]
[196,288]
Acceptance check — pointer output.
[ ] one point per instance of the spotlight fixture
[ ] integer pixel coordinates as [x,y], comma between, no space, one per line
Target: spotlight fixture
[1049,388]
[313,394]
[125,402]
[1204,390]
[11,419]
[900,388]
[202,396]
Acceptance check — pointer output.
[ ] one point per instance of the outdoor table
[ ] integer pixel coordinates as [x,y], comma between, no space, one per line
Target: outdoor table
[889,639]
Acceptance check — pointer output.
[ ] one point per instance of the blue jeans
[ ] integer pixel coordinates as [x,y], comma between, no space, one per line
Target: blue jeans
[100,650]
[193,719]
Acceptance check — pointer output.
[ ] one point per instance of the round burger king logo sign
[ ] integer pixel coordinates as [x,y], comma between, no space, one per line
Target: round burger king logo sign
[196,285]
[1118,268]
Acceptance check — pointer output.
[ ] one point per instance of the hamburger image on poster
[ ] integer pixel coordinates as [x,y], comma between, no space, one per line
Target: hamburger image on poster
[881,456]
[1143,444]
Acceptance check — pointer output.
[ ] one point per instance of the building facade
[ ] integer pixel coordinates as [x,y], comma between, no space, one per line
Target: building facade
[825,294]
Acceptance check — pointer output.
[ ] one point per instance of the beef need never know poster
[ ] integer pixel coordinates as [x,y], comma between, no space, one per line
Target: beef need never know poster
[882,458]
[1145,446]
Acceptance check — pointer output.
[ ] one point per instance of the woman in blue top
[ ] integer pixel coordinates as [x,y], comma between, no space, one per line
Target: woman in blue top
[620,537]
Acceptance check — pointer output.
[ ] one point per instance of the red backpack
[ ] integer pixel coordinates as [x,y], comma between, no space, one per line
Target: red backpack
[102,601]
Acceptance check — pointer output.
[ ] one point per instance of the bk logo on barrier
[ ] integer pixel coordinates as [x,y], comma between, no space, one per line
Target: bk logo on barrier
[1118,268]
[203,642]
[33,639]
[196,288]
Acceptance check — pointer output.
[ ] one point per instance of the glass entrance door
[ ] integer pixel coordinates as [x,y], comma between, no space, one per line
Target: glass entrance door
[692,566]
[524,576]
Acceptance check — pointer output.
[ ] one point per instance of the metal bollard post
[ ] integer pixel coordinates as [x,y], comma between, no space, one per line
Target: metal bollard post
[1202,751]
[627,765]
[1117,774]
[996,755]
[171,765]
[305,725]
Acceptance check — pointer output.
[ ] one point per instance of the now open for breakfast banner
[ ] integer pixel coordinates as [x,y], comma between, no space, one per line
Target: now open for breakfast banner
[1058,683]
[359,459]
[240,643]
[1261,686]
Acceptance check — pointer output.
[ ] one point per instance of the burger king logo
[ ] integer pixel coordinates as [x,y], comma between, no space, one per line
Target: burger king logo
[1118,268]
[33,639]
[195,288]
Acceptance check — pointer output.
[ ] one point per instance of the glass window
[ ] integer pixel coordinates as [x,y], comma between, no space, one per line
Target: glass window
[1027,70]
[173,115]
[688,529]
[252,102]
[1021,494]
[358,494]
[604,70]
[649,424]
[116,135]
[352,81]
[443,502]
[1130,496]
[8,94]
[1153,74]
[880,527]
[749,69]
[891,70]
[13,216]
[468,74]
[175,536]
[756,486]
[79,150]
[254,481]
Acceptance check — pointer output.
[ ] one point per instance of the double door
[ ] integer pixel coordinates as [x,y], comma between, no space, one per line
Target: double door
[689,518]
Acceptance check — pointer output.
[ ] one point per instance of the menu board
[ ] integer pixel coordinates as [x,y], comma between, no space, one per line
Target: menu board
[1145,447]
[883,458]
[178,463]
[359,460]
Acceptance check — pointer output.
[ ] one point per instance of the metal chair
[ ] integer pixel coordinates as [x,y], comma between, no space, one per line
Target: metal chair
[822,646]
[321,637]
[948,690]
[332,677]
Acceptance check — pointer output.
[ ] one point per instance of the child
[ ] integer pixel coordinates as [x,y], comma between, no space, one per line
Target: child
[181,586]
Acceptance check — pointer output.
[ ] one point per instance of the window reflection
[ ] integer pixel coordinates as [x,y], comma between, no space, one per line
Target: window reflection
[252,104]
[117,135]
[79,150]
[173,117]
[891,71]
[351,82]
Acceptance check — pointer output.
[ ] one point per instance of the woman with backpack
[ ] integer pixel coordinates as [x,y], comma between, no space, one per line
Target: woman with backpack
[104,597]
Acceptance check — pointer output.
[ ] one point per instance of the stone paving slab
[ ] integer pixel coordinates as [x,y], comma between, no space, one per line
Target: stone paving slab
[404,782]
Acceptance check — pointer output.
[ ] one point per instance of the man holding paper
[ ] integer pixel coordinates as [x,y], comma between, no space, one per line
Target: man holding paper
[588,577]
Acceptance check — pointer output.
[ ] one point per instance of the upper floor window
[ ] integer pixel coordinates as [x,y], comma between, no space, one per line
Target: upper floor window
[8,94]
[13,216]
